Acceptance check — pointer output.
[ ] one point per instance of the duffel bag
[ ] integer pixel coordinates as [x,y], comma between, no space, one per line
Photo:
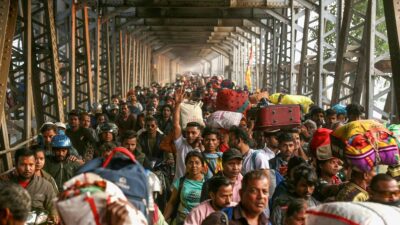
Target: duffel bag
[191,112]
[123,170]
[279,98]
[353,213]
[224,119]
[233,101]
[85,198]
[347,131]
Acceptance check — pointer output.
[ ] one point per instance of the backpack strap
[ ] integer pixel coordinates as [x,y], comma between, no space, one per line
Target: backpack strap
[253,159]
[243,107]
[229,212]
[181,181]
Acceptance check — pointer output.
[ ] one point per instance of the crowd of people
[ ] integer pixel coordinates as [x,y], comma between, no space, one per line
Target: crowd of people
[200,175]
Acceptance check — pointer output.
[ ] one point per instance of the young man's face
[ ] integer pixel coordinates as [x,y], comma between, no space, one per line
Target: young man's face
[151,127]
[48,135]
[318,118]
[130,144]
[331,119]
[61,154]
[211,142]
[387,192]
[166,112]
[26,167]
[192,133]
[232,168]
[125,109]
[222,198]
[74,121]
[107,136]
[303,189]
[287,148]
[85,121]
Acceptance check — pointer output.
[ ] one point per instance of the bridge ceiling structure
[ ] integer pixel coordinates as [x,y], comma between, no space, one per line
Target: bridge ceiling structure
[59,55]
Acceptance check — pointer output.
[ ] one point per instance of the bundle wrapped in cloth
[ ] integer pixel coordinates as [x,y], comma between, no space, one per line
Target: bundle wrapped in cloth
[366,143]
[224,119]
[345,213]
[233,101]
[191,112]
[85,198]
[279,98]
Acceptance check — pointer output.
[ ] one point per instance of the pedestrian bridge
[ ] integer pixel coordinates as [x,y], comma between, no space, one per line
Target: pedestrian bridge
[59,55]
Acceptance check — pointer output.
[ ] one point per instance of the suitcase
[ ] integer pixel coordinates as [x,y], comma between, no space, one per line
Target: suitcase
[274,117]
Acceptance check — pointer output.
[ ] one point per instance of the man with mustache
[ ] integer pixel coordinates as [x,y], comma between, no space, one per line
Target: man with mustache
[385,190]
[40,190]
[253,200]
[62,166]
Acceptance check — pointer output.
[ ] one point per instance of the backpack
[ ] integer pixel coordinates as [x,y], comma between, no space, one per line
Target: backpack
[126,173]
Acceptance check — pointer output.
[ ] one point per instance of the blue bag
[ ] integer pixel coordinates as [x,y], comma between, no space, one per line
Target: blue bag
[124,171]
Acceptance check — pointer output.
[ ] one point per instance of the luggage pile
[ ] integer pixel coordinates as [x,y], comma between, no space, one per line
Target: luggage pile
[365,144]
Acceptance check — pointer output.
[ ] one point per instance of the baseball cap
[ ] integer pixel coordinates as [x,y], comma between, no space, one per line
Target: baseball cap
[216,218]
[230,154]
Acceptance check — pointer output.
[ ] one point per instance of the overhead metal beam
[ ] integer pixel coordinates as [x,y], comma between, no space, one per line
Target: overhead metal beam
[197,4]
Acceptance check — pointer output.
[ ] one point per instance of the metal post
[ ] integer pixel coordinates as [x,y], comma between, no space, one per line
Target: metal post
[392,9]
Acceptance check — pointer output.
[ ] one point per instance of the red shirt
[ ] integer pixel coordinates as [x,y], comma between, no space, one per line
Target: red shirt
[24,184]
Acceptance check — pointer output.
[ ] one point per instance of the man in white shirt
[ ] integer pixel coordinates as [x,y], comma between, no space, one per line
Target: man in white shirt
[184,145]
[252,159]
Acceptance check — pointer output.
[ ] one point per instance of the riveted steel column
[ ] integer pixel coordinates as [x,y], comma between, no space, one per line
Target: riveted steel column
[8,19]
[392,16]
[46,76]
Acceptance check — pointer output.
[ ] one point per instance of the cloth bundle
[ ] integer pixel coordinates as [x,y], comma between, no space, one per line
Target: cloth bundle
[85,198]
[366,143]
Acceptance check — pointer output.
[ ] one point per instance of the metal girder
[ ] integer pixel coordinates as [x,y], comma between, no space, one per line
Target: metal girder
[46,76]
[392,17]
[8,19]
[187,22]
[246,30]
[197,4]
[104,64]
[220,51]
[81,67]
[208,13]
[326,50]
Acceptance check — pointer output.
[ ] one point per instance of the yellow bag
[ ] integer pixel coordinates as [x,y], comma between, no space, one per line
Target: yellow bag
[279,98]
[356,127]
